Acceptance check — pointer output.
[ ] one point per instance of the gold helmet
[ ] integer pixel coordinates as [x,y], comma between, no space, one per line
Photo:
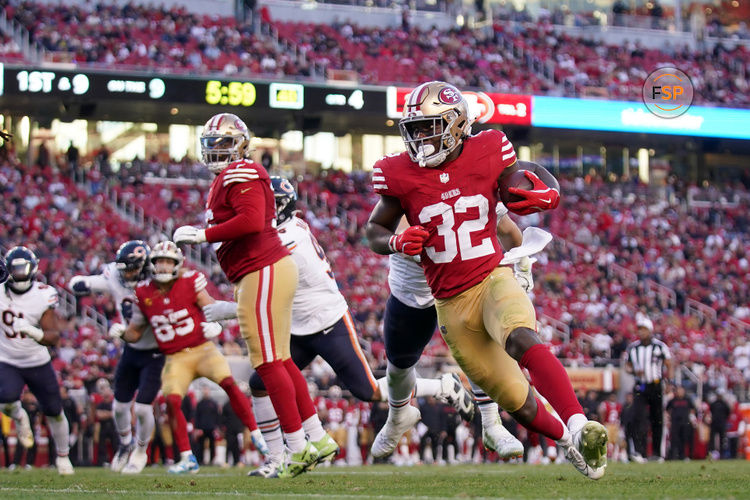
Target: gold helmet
[436,121]
[165,250]
[225,138]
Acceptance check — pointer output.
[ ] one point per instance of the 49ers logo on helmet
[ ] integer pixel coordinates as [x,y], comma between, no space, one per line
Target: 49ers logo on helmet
[449,95]
[240,125]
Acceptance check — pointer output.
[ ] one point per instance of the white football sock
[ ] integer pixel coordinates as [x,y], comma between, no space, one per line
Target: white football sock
[145,424]
[487,407]
[313,428]
[576,422]
[296,440]
[269,426]
[428,387]
[58,427]
[123,421]
[401,382]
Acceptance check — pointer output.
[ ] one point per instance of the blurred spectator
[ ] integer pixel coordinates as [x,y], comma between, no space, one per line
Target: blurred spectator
[206,425]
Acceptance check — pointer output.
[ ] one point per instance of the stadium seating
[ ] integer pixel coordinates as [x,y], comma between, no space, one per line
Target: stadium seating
[516,57]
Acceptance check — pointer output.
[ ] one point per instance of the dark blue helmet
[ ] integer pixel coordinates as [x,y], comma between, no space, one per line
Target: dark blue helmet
[3,272]
[286,198]
[130,261]
[22,265]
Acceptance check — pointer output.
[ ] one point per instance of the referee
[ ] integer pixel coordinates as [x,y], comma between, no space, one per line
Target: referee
[647,360]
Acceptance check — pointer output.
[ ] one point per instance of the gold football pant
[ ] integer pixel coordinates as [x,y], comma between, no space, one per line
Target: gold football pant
[476,323]
[184,366]
[264,310]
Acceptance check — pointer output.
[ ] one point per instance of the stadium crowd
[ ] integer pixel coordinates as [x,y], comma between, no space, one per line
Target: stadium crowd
[584,279]
[520,57]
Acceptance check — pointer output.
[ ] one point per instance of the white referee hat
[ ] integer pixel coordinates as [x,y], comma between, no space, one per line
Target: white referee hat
[644,322]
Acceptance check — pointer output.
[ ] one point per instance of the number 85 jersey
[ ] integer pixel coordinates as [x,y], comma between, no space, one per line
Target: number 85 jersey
[455,202]
[174,316]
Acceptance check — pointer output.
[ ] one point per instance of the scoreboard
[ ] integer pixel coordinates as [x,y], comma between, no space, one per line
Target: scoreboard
[175,90]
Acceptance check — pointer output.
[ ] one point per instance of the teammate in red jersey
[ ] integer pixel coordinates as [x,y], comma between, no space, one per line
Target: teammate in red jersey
[610,411]
[170,302]
[485,316]
[241,216]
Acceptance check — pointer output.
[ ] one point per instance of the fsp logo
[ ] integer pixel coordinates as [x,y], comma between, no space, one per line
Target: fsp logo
[668,92]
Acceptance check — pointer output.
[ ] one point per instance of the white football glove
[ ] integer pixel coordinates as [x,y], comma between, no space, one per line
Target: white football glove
[116,331]
[522,272]
[22,325]
[211,330]
[189,234]
[220,310]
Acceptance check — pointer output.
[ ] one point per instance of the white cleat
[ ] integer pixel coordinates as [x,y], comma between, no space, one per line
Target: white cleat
[389,436]
[122,455]
[64,467]
[453,392]
[498,439]
[137,462]
[268,469]
[187,465]
[23,428]
[575,457]
[591,441]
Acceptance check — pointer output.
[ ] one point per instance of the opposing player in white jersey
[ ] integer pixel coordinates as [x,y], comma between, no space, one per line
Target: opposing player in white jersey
[322,326]
[409,323]
[140,365]
[29,325]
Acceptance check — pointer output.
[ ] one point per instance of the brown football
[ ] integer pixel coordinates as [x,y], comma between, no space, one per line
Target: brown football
[518,180]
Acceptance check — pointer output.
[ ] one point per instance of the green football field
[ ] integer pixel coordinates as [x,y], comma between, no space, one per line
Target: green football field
[677,480]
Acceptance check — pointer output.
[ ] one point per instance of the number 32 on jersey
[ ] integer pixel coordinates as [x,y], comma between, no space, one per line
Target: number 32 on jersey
[458,239]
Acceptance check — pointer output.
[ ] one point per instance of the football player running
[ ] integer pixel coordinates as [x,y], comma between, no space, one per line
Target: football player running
[409,322]
[170,302]
[323,326]
[446,184]
[140,365]
[241,216]
[30,325]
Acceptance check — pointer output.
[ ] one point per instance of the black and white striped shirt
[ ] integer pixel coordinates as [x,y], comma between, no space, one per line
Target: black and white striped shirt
[649,359]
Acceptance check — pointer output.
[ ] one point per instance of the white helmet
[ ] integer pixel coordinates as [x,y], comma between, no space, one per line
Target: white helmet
[166,250]
[225,138]
[434,110]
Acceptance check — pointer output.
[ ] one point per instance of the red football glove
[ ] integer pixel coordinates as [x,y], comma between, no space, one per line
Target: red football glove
[540,197]
[410,241]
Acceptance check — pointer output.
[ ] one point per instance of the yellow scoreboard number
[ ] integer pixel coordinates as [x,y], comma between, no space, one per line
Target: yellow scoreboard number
[231,94]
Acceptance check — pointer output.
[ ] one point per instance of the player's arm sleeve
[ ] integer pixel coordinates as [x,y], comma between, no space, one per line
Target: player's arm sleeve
[249,203]
[506,153]
[138,319]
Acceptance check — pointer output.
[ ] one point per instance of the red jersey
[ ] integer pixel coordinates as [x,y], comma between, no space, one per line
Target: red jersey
[611,412]
[455,202]
[241,218]
[174,316]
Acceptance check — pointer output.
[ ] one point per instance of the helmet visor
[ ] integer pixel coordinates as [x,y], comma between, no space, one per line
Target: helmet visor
[221,142]
[20,270]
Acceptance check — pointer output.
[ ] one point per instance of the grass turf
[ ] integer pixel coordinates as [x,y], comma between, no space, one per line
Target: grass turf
[677,480]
